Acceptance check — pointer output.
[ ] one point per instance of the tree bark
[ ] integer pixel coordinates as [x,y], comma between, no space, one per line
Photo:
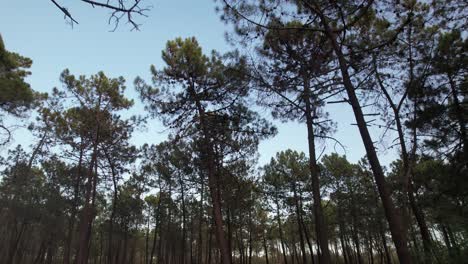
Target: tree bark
[280,230]
[265,247]
[394,221]
[184,224]
[87,215]
[320,224]
[209,160]
[408,167]
[299,225]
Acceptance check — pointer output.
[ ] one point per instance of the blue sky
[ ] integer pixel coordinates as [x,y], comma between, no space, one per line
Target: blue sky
[36,29]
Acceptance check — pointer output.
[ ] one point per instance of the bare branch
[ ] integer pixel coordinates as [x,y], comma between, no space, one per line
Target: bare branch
[119,9]
[65,12]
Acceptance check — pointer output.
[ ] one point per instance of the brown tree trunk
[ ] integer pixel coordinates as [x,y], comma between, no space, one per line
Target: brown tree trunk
[299,225]
[394,220]
[184,224]
[407,170]
[320,224]
[388,258]
[147,238]
[87,215]
[156,227]
[210,167]
[250,239]
[355,229]
[343,247]
[265,247]
[114,204]
[306,233]
[280,230]
[371,249]
[208,248]
[74,209]
[200,223]
[15,241]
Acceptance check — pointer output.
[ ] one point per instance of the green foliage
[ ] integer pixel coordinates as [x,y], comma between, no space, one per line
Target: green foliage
[16,96]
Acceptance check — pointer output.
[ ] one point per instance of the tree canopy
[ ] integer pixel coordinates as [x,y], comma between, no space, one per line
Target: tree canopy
[85,192]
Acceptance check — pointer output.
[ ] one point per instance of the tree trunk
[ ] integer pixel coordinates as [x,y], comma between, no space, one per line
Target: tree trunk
[306,233]
[250,239]
[87,215]
[147,238]
[320,224]
[156,225]
[229,230]
[208,248]
[210,166]
[394,221]
[200,223]
[265,247]
[74,209]
[388,258]
[184,234]
[14,242]
[114,204]
[407,169]
[280,230]
[343,246]
[299,225]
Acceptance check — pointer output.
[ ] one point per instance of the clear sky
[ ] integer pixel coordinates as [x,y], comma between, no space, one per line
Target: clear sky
[36,29]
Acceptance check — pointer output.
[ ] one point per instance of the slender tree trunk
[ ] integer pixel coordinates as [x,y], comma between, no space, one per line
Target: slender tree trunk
[450,250]
[74,209]
[153,247]
[209,249]
[147,238]
[200,223]
[280,230]
[87,215]
[40,254]
[114,205]
[209,160]
[453,240]
[343,246]
[295,256]
[355,229]
[15,241]
[229,230]
[250,238]
[388,257]
[168,231]
[156,227]
[299,225]
[191,240]
[320,224]
[394,220]
[371,249]
[184,234]
[355,237]
[306,233]
[407,168]
[160,243]
[124,257]
[265,247]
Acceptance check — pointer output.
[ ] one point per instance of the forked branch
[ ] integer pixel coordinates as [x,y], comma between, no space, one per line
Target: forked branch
[119,9]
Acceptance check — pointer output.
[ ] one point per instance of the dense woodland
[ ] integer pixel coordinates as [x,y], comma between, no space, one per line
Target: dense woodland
[83,193]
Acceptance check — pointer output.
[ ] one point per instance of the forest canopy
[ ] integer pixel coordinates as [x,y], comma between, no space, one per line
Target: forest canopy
[85,192]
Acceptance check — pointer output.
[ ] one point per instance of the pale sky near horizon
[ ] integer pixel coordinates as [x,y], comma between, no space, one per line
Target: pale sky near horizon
[36,29]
